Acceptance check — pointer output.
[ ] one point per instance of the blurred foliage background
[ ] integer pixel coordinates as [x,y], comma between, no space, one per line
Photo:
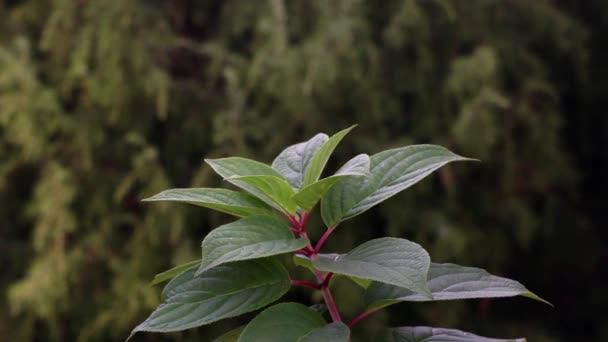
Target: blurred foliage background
[105,102]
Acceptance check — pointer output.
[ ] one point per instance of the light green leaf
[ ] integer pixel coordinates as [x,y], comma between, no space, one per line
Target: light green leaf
[389,260]
[304,261]
[333,332]
[225,291]
[308,197]
[237,167]
[391,172]
[231,336]
[227,201]
[169,274]
[318,161]
[428,334]
[275,188]
[285,322]
[248,238]
[449,282]
[294,160]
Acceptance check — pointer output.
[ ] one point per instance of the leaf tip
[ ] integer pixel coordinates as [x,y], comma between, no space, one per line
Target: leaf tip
[534,296]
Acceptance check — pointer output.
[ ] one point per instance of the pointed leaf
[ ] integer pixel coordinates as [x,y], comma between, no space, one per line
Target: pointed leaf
[428,334]
[308,197]
[169,274]
[294,160]
[237,167]
[333,332]
[389,260]
[391,171]
[225,291]
[224,200]
[275,188]
[248,238]
[285,322]
[449,282]
[318,161]
[231,336]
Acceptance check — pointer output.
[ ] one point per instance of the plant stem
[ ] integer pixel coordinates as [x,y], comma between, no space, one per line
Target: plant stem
[323,238]
[305,283]
[331,304]
[304,221]
[361,316]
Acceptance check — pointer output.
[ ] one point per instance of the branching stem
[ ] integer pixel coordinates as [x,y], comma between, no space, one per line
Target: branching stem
[360,317]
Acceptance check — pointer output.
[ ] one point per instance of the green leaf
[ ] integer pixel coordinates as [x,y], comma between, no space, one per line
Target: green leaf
[248,238]
[318,161]
[308,197]
[294,160]
[449,282]
[231,336]
[275,188]
[391,171]
[304,261]
[428,334]
[333,332]
[389,260]
[227,201]
[169,274]
[238,167]
[284,322]
[225,291]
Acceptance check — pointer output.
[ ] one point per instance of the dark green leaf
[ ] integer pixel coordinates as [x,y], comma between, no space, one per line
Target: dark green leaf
[428,334]
[275,188]
[449,282]
[231,336]
[389,260]
[333,332]
[308,196]
[169,274]
[238,167]
[248,238]
[227,201]
[318,161]
[391,171]
[286,322]
[294,160]
[225,291]
[304,261]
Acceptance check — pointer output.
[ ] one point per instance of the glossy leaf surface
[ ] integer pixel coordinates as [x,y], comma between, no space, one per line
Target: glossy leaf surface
[224,200]
[248,238]
[229,290]
[389,260]
[392,171]
[294,160]
[285,322]
[449,282]
[308,196]
[320,158]
[428,334]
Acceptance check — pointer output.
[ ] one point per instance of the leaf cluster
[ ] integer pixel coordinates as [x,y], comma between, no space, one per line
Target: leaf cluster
[239,271]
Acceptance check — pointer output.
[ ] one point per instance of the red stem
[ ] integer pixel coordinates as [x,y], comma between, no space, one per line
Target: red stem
[361,316]
[304,220]
[323,238]
[294,222]
[327,278]
[331,305]
[305,283]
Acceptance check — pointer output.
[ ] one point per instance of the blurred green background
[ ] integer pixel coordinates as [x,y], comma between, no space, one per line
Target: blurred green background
[105,102]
